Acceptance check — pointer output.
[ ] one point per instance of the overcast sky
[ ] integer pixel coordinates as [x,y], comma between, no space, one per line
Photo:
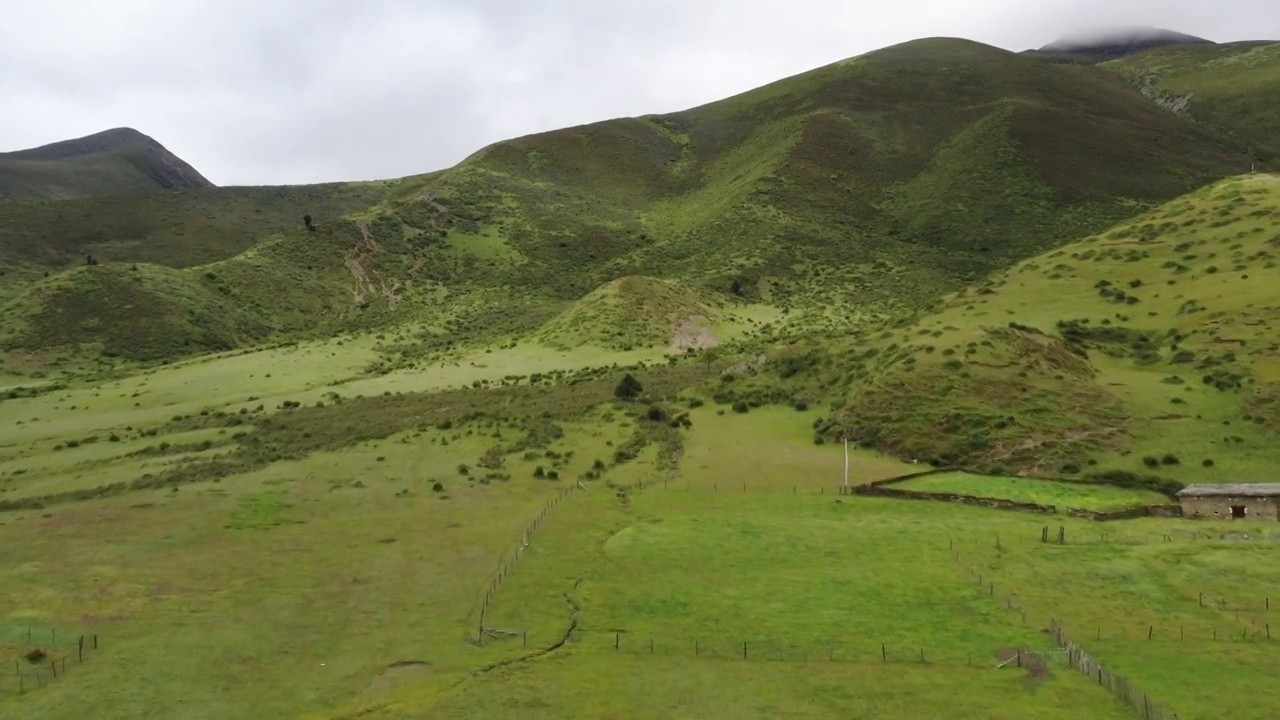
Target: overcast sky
[291,91]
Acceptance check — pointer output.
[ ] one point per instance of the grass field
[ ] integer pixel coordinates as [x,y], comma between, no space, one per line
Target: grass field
[1061,495]
[348,580]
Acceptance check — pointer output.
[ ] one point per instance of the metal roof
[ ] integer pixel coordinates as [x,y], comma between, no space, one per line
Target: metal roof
[1232,490]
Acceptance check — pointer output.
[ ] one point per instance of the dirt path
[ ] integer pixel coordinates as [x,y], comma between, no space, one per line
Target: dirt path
[368,282]
[694,334]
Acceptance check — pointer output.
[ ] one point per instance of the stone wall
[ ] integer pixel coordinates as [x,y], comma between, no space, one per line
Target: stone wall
[998,503]
[1219,507]
[1127,513]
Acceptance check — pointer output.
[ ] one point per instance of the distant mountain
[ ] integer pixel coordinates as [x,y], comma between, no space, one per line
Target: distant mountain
[1113,43]
[112,162]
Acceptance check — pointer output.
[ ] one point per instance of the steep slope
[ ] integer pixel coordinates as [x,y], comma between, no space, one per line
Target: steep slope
[38,237]
[1151,347]
[120,161]
[296,283]
[856,163]
[854,191]
[1233,88]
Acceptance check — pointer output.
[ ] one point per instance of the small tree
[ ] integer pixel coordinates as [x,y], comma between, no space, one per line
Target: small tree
[306,220]
[710,356]
[629,388]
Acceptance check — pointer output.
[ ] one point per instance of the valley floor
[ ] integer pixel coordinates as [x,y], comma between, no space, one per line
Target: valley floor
[559,554]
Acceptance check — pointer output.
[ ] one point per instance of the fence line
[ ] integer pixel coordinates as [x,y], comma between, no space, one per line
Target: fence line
[509,560]
[1116,684]
[806,651]
[1079,659]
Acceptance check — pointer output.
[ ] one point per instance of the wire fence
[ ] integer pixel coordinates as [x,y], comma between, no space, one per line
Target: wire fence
[1116,684]
[1232,621]
[32,658]
[1076,657]
[509,560]
[836,650]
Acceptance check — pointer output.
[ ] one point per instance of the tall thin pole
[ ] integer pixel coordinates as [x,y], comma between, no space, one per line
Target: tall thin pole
[846,462]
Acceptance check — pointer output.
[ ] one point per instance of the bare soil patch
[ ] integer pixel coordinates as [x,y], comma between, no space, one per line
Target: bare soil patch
[1036,668]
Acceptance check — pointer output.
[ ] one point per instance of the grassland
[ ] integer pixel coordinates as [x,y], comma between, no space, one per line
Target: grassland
[1062,495]
[346,581]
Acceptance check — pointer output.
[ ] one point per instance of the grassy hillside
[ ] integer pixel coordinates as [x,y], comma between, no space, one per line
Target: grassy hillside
[1149,348]
[1233,88]
[636,311]
[851,192]
[121,161]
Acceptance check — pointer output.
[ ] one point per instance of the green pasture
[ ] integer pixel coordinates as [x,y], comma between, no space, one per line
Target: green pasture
[1062,495]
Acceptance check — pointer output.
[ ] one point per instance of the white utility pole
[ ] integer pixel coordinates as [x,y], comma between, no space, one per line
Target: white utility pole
[845,438]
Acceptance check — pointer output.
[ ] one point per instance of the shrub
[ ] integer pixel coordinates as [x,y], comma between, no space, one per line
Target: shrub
[1169,459]
[1151,461]
[437,486]
[629,388]
[464,470]
[1207,462]
[656,413]
[538,472]
[741,407]
[1123,478]
[801,406]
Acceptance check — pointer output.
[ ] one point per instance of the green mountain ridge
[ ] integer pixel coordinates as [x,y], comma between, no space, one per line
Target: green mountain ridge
[119,161]
[855,191]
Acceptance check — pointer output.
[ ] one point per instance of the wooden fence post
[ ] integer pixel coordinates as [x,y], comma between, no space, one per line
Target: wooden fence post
[884,653]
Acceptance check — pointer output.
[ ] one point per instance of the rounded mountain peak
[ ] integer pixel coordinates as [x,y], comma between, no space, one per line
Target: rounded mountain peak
[1119,41]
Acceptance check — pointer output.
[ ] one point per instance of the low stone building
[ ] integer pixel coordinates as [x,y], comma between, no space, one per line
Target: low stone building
[1237,501]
